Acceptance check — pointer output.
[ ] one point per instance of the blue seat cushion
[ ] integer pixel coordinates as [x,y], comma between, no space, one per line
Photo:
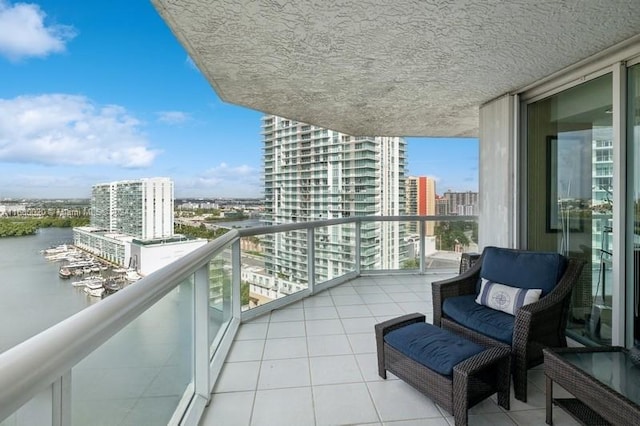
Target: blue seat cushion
[523,269]
[431,346]
[465,311]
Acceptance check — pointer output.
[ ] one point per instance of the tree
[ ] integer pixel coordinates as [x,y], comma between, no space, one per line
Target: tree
[411,264]
[449,234]
[244,293]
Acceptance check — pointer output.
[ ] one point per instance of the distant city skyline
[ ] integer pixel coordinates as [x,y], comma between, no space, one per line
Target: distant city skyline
[95,93]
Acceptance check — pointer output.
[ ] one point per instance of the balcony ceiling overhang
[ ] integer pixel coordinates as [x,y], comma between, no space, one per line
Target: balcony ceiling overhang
[379,67]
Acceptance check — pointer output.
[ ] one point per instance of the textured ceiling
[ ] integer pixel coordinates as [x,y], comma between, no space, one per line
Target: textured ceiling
[389,67]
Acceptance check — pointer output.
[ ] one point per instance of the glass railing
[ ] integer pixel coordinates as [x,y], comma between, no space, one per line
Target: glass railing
[145,355]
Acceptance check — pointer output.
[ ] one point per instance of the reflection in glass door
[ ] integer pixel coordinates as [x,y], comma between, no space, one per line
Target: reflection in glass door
[570,195]
[633,167]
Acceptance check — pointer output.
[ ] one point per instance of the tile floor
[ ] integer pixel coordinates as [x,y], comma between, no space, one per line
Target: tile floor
[314,363]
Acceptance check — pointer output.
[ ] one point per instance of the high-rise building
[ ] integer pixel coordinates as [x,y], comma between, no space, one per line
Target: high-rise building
[421,201]
[140,208]
[312,173]
[461,203]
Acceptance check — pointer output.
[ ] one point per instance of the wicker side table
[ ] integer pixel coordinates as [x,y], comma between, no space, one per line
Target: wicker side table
[473,380]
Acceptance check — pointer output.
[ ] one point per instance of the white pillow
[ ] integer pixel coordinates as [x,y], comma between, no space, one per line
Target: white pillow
[504,298]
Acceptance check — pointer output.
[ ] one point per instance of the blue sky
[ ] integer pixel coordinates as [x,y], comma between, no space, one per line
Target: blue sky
[94,92]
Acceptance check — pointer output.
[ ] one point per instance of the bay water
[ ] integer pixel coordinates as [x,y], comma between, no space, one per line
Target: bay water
[32,296]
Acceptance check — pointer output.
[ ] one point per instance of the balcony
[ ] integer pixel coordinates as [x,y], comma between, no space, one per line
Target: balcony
[154,352]
[314,362]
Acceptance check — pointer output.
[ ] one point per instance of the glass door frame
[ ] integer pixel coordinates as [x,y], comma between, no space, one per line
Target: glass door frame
[622,299]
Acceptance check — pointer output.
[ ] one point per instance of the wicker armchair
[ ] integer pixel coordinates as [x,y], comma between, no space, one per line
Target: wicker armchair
[535,326]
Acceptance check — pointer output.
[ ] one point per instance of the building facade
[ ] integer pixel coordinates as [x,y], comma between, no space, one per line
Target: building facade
[141,208]
[421,201]
[313,173]
[461,203]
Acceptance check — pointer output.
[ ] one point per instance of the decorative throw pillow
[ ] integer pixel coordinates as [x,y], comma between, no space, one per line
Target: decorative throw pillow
[504,298]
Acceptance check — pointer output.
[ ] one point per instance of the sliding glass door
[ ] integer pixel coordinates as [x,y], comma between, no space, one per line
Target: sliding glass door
[569,195]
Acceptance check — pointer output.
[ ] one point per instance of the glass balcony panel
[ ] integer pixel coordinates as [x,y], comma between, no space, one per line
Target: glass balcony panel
[143,372]
[383,245]
[273,266]
[220,297]
[445,241]
[335,251]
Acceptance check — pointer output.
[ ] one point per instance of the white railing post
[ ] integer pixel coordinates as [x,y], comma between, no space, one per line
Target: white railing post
[61,398]
[311,259]
[423,232]
[236,279]
[200,346]
[358,246]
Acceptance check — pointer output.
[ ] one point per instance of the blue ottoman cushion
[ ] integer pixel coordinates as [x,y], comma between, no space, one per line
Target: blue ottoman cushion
[465,311]
[433,347]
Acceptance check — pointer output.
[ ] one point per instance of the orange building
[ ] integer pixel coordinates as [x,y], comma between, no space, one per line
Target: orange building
[421,201]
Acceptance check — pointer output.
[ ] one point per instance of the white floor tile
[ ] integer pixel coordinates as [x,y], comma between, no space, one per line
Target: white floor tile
[371,299]
[320,313]
[252,331]
[319,301]
[234,407]
[328,345]
[356,311]
[334,369]
[404,297]
[396,400]
[246,350]
[538,417]
[362,343]
[284,373]
[324,327]
[287,314]
[279,407]
[386,309]
[279,330]
[348,300]
[359,325]
[343,404]
[238,376]
[289,347]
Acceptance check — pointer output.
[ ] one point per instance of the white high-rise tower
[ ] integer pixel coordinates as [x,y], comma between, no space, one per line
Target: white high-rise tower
[141,208]
[312,173]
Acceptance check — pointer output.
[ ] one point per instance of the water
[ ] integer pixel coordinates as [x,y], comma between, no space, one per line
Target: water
[32,296]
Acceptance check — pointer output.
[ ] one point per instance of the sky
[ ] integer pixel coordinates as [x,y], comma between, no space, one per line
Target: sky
[94,92]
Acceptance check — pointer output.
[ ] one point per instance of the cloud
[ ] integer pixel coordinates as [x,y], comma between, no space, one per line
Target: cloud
[60,129]
[23,32]
[173,117]
[223,180]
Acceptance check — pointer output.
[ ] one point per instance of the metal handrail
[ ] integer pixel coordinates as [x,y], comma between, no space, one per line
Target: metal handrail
[31,366]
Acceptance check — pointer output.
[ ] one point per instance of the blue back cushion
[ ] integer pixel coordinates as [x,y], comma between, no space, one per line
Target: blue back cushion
[433,347]
[465,311]
[523,269]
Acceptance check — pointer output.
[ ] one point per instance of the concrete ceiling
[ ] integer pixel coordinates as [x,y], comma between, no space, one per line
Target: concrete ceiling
[389,67]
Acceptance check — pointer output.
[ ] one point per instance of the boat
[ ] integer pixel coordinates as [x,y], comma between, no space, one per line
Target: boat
[64,273]
[94,292]
[110,287]
[133,275]
[91,282]
[62,248]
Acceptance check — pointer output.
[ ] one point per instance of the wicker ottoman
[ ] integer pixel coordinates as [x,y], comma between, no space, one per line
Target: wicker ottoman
[451,370]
